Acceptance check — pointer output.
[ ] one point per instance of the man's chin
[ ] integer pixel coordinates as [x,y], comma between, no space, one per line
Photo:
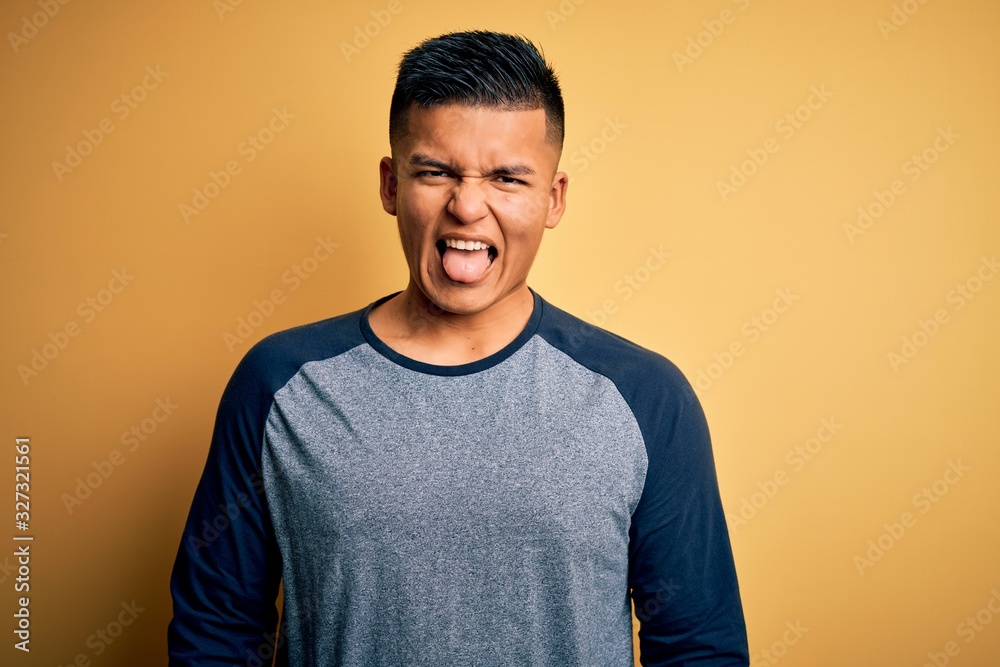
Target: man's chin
[468,301]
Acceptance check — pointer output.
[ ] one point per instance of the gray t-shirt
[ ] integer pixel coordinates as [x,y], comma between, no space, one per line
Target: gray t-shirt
[494,513]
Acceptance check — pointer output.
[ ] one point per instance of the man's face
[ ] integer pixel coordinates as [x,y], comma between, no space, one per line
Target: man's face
[472,189]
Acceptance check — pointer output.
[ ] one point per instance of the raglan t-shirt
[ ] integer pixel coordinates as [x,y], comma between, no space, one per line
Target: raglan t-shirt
[505,512]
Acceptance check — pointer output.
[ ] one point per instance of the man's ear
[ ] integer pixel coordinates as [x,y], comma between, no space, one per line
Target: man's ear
[557,199]
[387,185]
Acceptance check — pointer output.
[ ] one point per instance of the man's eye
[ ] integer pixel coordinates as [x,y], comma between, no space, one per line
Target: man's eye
[510,180]
[431,174]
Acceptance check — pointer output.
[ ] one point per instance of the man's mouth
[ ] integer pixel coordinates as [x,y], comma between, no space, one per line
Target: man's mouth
[465,261]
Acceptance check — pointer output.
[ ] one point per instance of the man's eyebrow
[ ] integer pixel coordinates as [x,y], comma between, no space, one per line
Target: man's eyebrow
[422,160]
[512,170]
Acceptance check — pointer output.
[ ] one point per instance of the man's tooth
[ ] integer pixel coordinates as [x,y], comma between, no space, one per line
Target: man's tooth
[461,244]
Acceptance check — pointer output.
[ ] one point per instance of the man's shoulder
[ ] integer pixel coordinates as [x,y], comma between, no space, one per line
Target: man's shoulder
[316,340]
[621,360]
[654,388]
[276,358]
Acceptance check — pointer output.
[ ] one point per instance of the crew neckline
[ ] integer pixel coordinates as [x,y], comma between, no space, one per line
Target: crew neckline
[461,369]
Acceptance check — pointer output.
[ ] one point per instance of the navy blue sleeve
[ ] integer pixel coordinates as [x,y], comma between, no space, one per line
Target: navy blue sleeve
[225,579]
[681,570]
[682,574]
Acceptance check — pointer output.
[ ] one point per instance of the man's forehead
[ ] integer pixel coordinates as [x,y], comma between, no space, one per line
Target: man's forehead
[494,134]
[445,116]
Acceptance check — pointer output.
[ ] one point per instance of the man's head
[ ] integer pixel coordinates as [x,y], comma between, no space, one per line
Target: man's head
[478,69]
[476,129]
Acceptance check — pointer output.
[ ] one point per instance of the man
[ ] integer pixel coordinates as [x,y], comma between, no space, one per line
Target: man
[460,473]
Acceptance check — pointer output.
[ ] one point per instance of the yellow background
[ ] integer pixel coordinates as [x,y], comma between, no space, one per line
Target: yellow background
[662,132]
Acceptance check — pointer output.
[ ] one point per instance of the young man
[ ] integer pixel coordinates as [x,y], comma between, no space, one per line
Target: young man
[460,473]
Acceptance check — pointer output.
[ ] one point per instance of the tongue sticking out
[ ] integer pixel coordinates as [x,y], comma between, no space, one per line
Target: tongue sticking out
[465,266]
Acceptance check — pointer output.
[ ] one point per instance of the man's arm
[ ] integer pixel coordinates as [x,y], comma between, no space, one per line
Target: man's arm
[682,574]
[228,568]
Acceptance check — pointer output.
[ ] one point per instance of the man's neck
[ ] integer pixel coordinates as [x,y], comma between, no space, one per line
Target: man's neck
[414,327]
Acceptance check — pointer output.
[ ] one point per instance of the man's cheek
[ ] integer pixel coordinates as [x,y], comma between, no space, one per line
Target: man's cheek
[522,209]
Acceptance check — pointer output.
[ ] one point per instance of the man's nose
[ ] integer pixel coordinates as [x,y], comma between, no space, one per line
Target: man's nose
[468,201]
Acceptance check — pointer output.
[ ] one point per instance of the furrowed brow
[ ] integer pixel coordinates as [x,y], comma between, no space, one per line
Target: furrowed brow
[512,170]
[421,160]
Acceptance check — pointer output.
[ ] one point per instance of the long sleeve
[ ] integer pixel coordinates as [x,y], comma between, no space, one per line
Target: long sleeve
[682,574]
[226,576]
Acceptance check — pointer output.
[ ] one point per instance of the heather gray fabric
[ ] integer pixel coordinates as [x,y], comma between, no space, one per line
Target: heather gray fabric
[476,519]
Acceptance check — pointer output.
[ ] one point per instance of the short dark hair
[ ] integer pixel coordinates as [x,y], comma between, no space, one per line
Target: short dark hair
[477,68]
